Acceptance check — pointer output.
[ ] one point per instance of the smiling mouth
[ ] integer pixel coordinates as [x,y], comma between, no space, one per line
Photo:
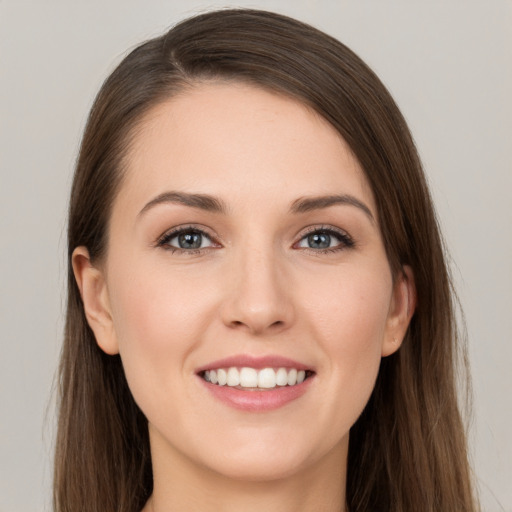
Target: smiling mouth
[247,378]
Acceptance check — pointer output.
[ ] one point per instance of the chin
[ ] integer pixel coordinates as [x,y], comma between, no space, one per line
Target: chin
[262,469]
[278,459]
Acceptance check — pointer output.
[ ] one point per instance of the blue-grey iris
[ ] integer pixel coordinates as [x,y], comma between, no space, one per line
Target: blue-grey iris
[319,240]
[190,240]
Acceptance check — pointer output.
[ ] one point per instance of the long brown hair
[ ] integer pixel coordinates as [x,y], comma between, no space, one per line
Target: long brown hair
[408,449]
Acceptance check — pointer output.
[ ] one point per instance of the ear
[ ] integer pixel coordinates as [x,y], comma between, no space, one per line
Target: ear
[93,289]
[402,307]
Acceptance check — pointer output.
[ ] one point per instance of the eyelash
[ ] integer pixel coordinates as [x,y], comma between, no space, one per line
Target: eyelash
[346,241]
[164,240]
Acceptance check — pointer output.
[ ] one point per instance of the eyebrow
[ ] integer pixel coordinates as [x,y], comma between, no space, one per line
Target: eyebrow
[307,204]
[201,201]
[212,204]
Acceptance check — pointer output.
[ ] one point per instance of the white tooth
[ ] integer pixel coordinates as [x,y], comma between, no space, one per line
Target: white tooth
[301,375]
[206,376]
[248,378]
[282,377]
[233,377]
[213,376]
[267,378]
[292,377]
[222,377]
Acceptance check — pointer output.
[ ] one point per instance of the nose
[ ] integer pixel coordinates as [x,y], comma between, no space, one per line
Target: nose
[258,298]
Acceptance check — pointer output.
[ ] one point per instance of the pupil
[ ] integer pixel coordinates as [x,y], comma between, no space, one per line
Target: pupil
[189,240]
[319,241]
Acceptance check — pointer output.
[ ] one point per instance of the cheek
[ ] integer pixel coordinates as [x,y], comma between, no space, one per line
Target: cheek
[158,321]
[156,309]
[350,324]
[362,323]
[353,309]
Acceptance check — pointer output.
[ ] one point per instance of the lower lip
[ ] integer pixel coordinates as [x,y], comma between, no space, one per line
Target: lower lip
[257,400]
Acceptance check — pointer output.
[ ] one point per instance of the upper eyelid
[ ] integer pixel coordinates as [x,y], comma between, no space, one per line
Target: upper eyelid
[323,228]
[175,231]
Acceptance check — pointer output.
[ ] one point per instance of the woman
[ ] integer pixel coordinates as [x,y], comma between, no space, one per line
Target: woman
[259,311]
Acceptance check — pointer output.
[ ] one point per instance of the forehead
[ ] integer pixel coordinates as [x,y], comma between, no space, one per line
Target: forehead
[236,141]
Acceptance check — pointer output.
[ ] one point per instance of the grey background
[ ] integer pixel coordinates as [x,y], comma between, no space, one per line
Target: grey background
[448,64]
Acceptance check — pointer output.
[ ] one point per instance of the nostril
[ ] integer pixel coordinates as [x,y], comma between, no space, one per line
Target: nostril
[238,324]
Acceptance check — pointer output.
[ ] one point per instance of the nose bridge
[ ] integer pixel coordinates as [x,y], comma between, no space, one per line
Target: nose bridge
[258,300]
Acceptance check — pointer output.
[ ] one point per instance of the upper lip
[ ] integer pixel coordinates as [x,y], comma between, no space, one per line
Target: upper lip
[256,362]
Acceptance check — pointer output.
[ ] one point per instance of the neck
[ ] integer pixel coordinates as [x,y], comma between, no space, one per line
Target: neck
[179,484]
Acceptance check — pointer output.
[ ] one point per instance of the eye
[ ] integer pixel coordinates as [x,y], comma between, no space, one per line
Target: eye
[185,239]
[325,239]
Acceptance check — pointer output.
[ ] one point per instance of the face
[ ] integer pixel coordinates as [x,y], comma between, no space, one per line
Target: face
[244,244]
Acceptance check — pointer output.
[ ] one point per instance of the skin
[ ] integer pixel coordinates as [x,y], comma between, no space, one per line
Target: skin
[256,288]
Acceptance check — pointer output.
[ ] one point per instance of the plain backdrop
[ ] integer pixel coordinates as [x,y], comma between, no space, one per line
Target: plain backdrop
[447,63]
